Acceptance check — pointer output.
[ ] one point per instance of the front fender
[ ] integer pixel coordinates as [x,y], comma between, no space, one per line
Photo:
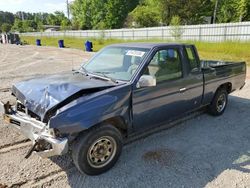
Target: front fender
[86,112]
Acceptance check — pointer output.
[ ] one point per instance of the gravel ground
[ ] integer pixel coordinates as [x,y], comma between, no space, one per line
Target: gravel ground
[204,151]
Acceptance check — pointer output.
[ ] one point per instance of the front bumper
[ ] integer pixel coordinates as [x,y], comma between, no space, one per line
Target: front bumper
[35,130]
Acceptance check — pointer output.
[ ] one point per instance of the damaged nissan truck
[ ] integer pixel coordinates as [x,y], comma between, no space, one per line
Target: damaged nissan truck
[122,91]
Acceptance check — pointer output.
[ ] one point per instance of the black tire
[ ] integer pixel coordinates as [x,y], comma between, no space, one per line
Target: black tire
[219,103]
[92,145]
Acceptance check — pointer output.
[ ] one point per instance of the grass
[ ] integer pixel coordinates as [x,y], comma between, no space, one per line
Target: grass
[229,51]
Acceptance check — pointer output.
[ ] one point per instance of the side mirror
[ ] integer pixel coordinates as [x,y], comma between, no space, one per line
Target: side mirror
[146,81]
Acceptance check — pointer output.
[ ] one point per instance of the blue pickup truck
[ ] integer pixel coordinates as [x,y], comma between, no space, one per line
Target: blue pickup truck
[123,90]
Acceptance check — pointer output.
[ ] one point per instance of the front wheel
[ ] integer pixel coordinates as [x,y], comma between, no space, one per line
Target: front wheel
[219,103]
[97,150]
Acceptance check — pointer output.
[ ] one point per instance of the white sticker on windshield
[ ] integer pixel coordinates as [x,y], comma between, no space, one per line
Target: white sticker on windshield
[135,53]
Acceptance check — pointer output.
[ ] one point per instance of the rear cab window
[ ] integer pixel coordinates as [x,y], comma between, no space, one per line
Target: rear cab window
[192,58]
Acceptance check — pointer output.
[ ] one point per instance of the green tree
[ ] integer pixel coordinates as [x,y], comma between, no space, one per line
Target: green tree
[59,17]
[51,19]
[242,10]
[98,14]
[116,13]
[194,11]
[105,14]
[6,17]
[65,24]
[18,25]
[226,11]
[40,26]
[190,12]
[6,27]
[233,11]
[24,15]
[165,8]
[176,30]
[144,16]
[81,12]
[28,25]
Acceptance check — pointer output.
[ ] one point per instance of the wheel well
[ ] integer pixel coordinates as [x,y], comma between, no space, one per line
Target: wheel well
[227,86]
[119,123]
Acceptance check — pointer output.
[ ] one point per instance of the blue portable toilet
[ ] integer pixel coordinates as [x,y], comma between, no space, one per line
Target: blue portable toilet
[38,42]
[89,46]
[61,44]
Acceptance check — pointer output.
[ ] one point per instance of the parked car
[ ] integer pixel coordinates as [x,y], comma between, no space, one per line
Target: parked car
[125,89]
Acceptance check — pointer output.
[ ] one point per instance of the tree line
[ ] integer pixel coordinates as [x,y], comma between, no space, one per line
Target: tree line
[112,14]
[26,22]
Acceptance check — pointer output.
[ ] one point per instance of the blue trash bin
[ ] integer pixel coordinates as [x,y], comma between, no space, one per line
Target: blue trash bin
[61,44]
[88,46]
[38,42]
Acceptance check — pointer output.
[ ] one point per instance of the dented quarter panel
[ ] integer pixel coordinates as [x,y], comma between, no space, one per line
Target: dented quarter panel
[88,111]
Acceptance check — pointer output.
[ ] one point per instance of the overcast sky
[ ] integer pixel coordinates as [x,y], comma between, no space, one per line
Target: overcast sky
[33,5]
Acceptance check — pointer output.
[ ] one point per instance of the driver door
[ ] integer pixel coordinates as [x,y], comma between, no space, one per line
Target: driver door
[157,104]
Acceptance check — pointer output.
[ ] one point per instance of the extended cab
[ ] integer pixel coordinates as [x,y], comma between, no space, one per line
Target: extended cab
[124,89]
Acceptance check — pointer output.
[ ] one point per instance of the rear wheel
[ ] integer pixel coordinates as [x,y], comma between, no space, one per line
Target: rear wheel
[97,150]
[219,103]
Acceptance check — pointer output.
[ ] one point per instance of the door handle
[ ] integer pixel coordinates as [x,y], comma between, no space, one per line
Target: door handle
[183,89]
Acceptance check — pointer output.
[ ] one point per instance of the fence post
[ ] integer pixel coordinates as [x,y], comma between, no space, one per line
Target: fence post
[133,34]
[200,32]
[225,33]
[147,33]
[162,33]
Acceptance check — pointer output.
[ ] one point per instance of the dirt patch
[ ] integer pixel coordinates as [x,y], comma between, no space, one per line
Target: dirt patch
[162,156]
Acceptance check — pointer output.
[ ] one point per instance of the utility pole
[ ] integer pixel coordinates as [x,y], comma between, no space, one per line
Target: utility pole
[215,11]
[67,2]
[22,15]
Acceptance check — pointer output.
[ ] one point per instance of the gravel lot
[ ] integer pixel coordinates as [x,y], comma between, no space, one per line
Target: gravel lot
[204,151]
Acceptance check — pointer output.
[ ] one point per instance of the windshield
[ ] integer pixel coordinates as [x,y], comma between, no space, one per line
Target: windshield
[119,63]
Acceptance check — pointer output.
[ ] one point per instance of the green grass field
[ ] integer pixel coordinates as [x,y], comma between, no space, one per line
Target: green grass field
[228,51]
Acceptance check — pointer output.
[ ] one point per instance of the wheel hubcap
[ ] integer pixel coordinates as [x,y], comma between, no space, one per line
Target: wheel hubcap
[221,102]
[102,151]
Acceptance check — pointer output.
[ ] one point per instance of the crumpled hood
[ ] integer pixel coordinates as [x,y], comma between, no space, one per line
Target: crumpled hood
[43,93]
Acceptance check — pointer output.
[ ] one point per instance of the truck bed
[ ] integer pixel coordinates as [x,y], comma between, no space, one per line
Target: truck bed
[217,72]
[216,64]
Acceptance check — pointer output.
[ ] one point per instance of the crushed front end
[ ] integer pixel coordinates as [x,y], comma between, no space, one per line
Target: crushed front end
[46,143]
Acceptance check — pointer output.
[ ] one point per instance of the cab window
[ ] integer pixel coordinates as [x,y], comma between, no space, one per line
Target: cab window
[165,65]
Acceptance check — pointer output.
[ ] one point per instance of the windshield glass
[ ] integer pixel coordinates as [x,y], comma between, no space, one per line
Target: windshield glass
[119,63]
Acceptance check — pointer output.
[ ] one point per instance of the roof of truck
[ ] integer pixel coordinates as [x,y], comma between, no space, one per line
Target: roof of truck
[147,45]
